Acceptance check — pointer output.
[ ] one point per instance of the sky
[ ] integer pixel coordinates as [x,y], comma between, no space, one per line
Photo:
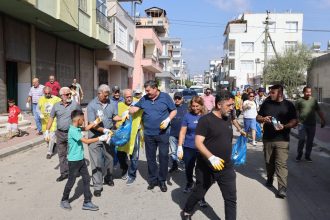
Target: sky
[201,23]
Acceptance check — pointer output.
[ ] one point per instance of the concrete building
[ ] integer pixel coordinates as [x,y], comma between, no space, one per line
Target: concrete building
[116,68]
[148,49]
[39,38]
[244,44]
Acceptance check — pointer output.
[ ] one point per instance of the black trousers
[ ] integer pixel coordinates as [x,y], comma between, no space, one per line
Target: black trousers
[189,158]
[205,177]
[75,168]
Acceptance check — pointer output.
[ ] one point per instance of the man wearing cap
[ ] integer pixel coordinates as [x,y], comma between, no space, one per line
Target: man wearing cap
[181,108]
[116,95]
[158,111]
[137,95]
[260,98]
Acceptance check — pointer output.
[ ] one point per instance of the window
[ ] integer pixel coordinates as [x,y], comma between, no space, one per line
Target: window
[101,6]
[247,47]
[290,44]
[291,26]
[231,64]
[83,5]
[247,65]
[121,35]
[131,44]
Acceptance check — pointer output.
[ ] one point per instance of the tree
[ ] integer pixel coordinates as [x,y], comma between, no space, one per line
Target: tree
[188,83]
[289,68]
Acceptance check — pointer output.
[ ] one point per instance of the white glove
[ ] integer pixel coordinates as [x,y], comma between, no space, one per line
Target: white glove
[104,137]
[47,136]
[27,105]
[217,163]
[97,121]
[106,131]
[41,116]
[165,123]
[125,115]
[179,153]
[100,114]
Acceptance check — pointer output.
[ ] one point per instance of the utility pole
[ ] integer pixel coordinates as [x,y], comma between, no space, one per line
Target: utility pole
[265,47]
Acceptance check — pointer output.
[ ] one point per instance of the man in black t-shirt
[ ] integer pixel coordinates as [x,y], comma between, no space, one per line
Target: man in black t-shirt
[279,116]
[213,140]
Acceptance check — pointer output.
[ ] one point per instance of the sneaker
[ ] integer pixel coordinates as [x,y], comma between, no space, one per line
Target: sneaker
[254,143]
[202,203]
[124,174]
[66,205]
[130,181]
[298,159]
[185,216]
[188,188]
[281,192]
[90,206]
[309,160]
[48,156]
[97,193]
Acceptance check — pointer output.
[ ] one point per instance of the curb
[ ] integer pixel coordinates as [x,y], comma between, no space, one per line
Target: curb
[27,145]
[322,149]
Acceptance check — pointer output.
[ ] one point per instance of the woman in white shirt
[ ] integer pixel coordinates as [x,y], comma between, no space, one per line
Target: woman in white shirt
[250,113]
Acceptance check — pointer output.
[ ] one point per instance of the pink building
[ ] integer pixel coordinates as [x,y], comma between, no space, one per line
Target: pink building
[146,62]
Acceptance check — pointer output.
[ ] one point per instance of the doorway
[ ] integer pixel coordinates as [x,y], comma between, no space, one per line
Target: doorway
[11,80]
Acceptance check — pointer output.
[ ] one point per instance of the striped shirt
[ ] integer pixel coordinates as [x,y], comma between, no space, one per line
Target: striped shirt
[36,93]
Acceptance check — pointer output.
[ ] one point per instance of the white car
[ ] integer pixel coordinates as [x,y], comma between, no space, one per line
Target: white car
[198,89]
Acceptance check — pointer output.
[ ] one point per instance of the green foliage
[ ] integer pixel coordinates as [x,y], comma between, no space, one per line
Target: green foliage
[188,83]
[288,68]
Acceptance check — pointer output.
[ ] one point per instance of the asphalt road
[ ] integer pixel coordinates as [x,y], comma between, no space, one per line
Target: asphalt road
[29,191]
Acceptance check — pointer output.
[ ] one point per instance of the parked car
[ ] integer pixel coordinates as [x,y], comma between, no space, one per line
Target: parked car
[198,89]
[188,94]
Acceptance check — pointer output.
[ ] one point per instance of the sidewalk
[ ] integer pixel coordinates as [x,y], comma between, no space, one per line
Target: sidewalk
[322,137]
[17,144]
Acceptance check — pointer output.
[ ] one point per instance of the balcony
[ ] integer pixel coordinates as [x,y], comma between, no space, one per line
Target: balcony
[102,20]
[151,65]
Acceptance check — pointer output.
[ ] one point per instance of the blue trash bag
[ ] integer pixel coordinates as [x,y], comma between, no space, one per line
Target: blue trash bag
[122,135]
[258,132]
[238,155]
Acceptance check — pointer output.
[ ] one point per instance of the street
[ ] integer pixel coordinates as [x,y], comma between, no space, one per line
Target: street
[29,191]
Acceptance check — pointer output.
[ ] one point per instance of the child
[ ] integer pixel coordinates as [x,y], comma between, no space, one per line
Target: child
[76,161]
[14,111]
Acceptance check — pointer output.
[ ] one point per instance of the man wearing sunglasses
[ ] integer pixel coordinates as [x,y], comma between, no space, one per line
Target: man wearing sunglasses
[45,105]
[209,100]
[182,109]
[116,98]
[62,112]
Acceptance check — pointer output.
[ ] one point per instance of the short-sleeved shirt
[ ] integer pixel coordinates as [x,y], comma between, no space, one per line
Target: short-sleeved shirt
[14,111]
[209,102]
[45,106]
[306,110]
[63,114]
[75,146]
[284,112]
[155,111]
[78,87]
[36,93]
[55,86]
[252,112]
[177,120]
[190,121]
[109,110]
[116,101]
[218,133]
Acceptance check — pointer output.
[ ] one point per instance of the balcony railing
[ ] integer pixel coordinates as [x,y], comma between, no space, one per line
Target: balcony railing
[102,20]
[83,5]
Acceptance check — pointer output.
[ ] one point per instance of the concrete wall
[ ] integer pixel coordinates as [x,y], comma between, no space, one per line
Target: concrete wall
[319,77]
[23,84]
[68,12]
[3,88]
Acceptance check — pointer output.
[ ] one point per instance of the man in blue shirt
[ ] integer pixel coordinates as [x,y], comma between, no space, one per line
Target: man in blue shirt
[181,108]
[159,110]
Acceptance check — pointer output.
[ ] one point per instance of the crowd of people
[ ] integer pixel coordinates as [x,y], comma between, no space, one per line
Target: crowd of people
[198,134]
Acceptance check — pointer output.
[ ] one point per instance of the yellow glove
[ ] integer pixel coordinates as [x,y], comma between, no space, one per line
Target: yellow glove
[217,163]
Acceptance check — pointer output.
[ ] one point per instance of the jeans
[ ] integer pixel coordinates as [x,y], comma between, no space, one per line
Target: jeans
[122,157]
[276,156]
[152,142]
[189,158]
[303,132]
[75,168]
[205,177]
[101,157]
[36,117]
[174,149]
